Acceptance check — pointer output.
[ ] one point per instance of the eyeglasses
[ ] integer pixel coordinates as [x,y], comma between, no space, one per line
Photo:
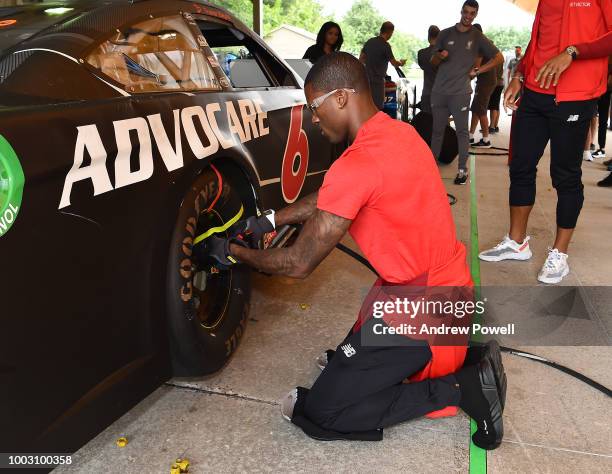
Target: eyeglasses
[319,100]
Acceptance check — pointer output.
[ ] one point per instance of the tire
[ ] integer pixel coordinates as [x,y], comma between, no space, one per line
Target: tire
[207,311]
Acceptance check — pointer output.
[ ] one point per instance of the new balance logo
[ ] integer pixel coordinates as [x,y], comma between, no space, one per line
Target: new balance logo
[573,118]
[348,350]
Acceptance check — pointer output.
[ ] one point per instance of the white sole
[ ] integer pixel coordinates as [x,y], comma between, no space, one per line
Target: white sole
[501,258]
[553,281]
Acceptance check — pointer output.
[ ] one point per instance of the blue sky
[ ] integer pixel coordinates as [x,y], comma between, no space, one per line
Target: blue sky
[415,16]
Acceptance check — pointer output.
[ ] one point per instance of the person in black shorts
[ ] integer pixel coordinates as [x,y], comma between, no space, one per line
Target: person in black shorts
[495,99]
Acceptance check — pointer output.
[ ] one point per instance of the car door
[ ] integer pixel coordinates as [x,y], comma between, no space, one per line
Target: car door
[291,155]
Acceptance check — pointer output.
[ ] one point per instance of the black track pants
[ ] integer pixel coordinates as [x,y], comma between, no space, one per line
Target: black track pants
[540,120]
[361,388]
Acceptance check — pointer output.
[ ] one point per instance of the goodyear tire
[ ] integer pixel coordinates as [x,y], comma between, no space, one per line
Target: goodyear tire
[207,310]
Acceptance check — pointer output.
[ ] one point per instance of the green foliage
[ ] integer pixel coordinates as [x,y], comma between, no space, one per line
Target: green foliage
[506,38]
[360,23]
[304,14]
[405,46]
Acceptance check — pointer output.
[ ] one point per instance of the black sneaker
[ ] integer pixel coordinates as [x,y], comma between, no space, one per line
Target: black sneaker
[471,141]
[480,400]
[461,177]
[489,388]
[493,353]
[482,144]
[601,153]
[606,182]
[478,351]
[496,129]
[491,129]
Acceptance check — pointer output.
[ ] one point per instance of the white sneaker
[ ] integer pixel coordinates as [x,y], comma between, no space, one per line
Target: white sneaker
[555,267]
[601,153]
[586,155]
[288,403]
[507,249]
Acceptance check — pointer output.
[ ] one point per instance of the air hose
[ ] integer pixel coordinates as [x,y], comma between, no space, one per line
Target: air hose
[509,350]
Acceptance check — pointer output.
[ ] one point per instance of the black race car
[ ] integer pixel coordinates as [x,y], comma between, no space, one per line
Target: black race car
[129,130]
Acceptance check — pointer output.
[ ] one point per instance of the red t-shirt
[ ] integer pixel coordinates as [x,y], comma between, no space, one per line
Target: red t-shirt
[388,184]
[547,46]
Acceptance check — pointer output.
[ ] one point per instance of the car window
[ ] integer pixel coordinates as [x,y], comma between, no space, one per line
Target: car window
[155,55]
[301,66]
[245,62]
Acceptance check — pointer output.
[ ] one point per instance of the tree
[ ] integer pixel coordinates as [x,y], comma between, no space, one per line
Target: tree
[359,24]
[406,46]
[363,21]
[306,14]
[506,38]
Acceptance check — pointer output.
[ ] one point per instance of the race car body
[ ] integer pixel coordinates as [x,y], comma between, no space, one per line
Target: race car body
[127,129]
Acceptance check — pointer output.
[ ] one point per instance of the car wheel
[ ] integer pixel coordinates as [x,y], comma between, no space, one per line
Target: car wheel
[207,309]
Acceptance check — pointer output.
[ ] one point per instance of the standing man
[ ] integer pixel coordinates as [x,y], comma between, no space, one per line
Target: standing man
[429,71]
[496,98]
[485,85]
[603,109]
[375,184]
[518,54]
[564,72]
[376,54]
[458,47]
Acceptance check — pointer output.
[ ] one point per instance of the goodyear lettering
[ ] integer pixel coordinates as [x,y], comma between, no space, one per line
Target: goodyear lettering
[246,122]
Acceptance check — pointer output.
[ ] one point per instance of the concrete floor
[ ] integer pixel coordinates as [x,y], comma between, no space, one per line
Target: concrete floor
[230,422]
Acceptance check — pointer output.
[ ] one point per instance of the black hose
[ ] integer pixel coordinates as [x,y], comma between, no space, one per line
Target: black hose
[356,256]
[509,350]
[562,368]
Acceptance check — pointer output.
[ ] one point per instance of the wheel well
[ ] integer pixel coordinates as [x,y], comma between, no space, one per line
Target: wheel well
[241,184]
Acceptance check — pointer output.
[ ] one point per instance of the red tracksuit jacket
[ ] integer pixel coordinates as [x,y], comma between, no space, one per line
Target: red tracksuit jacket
[584,21]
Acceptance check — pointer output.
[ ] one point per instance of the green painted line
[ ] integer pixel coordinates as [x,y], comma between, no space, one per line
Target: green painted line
[478,456]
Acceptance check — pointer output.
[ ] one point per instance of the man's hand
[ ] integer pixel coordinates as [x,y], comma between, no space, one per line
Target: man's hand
[218,250]
[552,70]
[512,94]
[320,234]
[402,62]
[473,72]
[254,228]
[439,57]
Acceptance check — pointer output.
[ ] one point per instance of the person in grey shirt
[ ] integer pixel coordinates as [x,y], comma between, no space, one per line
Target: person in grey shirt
[376,54]
[518,54]
[458,49]
[429,71]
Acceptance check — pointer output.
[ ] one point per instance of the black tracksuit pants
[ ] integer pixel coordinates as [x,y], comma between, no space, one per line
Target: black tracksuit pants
[540,120]
[361,388]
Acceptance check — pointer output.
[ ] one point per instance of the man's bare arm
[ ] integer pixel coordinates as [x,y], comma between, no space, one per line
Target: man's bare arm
[438,57]
[299,211]
[493,62]
[320,234]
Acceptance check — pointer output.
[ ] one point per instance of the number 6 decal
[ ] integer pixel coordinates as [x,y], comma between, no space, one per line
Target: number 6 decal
[295,159]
